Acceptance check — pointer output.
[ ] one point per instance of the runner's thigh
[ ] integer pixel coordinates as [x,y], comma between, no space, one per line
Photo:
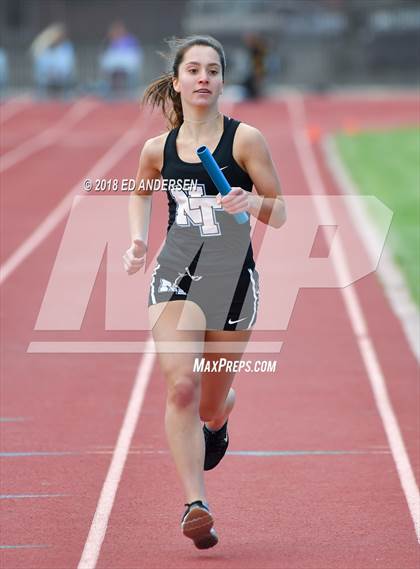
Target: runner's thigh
[176,348]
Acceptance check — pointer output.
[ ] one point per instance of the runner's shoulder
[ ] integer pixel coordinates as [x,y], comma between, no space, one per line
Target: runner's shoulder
[247,134]
[153,149]
[248,142]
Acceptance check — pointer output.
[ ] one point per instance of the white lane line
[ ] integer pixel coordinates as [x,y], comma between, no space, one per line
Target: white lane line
[296,109]
[12,107]
[262,453]
[98,170]
[391,276]
[99,525]
[47,137]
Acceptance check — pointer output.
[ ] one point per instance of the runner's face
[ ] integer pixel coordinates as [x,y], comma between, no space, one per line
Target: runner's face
[199,78]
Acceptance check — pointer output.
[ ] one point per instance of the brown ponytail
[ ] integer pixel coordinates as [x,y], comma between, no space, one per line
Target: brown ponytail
[161,92]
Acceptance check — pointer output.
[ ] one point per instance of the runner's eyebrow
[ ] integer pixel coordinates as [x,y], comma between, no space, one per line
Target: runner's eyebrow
[198,63]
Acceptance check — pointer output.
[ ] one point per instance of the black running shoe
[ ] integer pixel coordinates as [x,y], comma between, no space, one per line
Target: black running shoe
[197,524]
[216,446]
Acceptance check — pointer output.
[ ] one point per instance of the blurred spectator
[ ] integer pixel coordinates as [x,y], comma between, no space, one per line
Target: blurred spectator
[54,61]
[120,63]
[4,69]
[256,68]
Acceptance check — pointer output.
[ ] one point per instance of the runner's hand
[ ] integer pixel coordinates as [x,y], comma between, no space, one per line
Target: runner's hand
[134,257]
[236,201]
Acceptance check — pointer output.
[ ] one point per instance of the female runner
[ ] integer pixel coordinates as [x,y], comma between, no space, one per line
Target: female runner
[204,289]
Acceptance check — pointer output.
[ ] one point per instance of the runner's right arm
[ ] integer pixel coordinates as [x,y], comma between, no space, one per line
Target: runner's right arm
[140,205]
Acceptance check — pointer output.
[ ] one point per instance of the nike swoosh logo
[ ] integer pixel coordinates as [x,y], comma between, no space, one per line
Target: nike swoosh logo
[236,321]
[225,167]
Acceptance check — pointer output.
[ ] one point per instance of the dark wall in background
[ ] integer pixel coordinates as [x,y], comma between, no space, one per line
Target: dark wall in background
[88,20]
[312,43]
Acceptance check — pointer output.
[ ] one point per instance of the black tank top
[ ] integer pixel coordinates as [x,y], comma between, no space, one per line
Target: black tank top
[199,232]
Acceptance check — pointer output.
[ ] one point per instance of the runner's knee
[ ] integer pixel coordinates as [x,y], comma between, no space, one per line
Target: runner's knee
[183,389]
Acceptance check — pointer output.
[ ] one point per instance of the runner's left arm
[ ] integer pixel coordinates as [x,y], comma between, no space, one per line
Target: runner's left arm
[267,204]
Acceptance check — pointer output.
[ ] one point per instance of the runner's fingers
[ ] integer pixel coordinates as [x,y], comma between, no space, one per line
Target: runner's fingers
[132,270]
[132,265]
[130,254]
[136,263]
[236,204]
[127,259]
[237,195]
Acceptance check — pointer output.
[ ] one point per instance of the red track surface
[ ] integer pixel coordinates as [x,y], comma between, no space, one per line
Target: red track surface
[302,511]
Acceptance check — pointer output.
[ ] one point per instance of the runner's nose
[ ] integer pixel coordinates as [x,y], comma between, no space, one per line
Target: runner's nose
[203,77]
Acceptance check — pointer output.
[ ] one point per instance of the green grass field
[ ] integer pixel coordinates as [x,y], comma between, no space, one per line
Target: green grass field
[387,165]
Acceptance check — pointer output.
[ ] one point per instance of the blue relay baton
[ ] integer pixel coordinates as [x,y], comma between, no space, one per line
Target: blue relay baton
[218,178]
